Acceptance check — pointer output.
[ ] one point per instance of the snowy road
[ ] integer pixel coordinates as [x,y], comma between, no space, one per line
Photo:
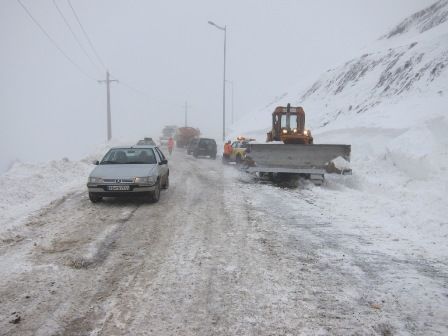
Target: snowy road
[218,255]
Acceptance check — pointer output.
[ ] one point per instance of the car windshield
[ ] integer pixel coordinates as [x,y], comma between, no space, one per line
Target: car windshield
[130,156]
[292,121]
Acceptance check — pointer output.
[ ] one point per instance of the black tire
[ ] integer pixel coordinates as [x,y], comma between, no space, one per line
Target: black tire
[94,198]
[238,159]
[155,195]
[167,182]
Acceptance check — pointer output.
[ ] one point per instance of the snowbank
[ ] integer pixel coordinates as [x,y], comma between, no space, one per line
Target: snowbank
[27,188]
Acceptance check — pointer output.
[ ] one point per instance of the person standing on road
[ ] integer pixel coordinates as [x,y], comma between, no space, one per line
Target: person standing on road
[227,151]
[170,145]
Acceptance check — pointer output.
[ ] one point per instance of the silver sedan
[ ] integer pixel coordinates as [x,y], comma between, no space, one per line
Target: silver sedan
[138,170]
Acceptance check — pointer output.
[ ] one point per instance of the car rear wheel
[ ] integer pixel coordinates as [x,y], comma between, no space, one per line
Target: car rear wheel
[238,159]
[94,198]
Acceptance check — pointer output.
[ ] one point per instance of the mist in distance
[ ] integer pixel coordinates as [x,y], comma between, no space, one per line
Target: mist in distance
[164,53]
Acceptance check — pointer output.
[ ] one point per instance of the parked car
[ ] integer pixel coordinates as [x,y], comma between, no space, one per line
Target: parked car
[191,145]
[239,147]
[137,170]
[204,147]
[146,141]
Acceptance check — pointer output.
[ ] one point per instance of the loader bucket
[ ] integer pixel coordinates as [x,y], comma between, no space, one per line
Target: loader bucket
[294,158]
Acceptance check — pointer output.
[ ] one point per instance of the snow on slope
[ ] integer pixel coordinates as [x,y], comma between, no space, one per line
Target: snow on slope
[423,20]
[391,105]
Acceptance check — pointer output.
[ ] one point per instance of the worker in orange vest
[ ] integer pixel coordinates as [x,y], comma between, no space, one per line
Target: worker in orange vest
[227,152]
[170,145]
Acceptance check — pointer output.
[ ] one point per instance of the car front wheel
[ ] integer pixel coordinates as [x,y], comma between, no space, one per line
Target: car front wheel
[155,195]
[167,182]
[94,198]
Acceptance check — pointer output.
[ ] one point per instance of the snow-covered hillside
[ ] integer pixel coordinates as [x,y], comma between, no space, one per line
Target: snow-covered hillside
[391,105]
[405,68]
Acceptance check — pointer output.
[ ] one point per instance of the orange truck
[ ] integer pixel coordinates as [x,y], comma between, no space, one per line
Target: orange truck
[185,134]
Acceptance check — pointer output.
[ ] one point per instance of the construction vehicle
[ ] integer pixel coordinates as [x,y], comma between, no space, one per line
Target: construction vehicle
[290,150]
[185,134]
[288,126]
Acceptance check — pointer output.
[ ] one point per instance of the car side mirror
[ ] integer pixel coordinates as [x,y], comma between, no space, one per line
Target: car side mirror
[163,162]
[96,162]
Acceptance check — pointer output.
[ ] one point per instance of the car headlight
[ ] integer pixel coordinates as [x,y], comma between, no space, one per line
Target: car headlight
[95,180]
[145,180]
[294,130]
[284,131]
[306,132]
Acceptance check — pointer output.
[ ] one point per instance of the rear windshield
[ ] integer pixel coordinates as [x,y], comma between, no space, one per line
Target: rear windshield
[208,142]
[130,156]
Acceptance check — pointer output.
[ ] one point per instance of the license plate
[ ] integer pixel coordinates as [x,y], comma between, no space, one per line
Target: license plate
[118,188]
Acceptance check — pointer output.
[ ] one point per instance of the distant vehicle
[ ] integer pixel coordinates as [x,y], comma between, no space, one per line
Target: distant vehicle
[138,170]
[167,132]
[185,134]
[239,147]
[191,145]
[163,142]
[146,141]
[204,147]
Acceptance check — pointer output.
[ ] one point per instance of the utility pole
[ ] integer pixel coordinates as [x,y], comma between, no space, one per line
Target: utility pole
[109,117]
[224,90]
[224,29]
[186,114]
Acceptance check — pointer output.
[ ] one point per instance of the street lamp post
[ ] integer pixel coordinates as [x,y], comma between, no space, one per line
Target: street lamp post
[223,82]
[231,91]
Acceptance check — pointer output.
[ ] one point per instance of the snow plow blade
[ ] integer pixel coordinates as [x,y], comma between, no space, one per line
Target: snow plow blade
[293,158]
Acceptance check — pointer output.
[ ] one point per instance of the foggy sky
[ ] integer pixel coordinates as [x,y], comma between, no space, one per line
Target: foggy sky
[164,53]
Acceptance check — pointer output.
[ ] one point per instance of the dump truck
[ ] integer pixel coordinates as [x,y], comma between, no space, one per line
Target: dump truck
[185,134]
[290,150]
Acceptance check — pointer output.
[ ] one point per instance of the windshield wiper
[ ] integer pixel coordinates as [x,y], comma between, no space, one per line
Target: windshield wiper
[140,162]
[109,162]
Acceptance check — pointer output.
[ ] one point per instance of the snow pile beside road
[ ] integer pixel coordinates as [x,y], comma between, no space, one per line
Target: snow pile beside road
[341,164]
[28,187]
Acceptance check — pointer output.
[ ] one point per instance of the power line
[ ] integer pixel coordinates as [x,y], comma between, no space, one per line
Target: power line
[86,35]
[141,92]
[75,36]
[54,42]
